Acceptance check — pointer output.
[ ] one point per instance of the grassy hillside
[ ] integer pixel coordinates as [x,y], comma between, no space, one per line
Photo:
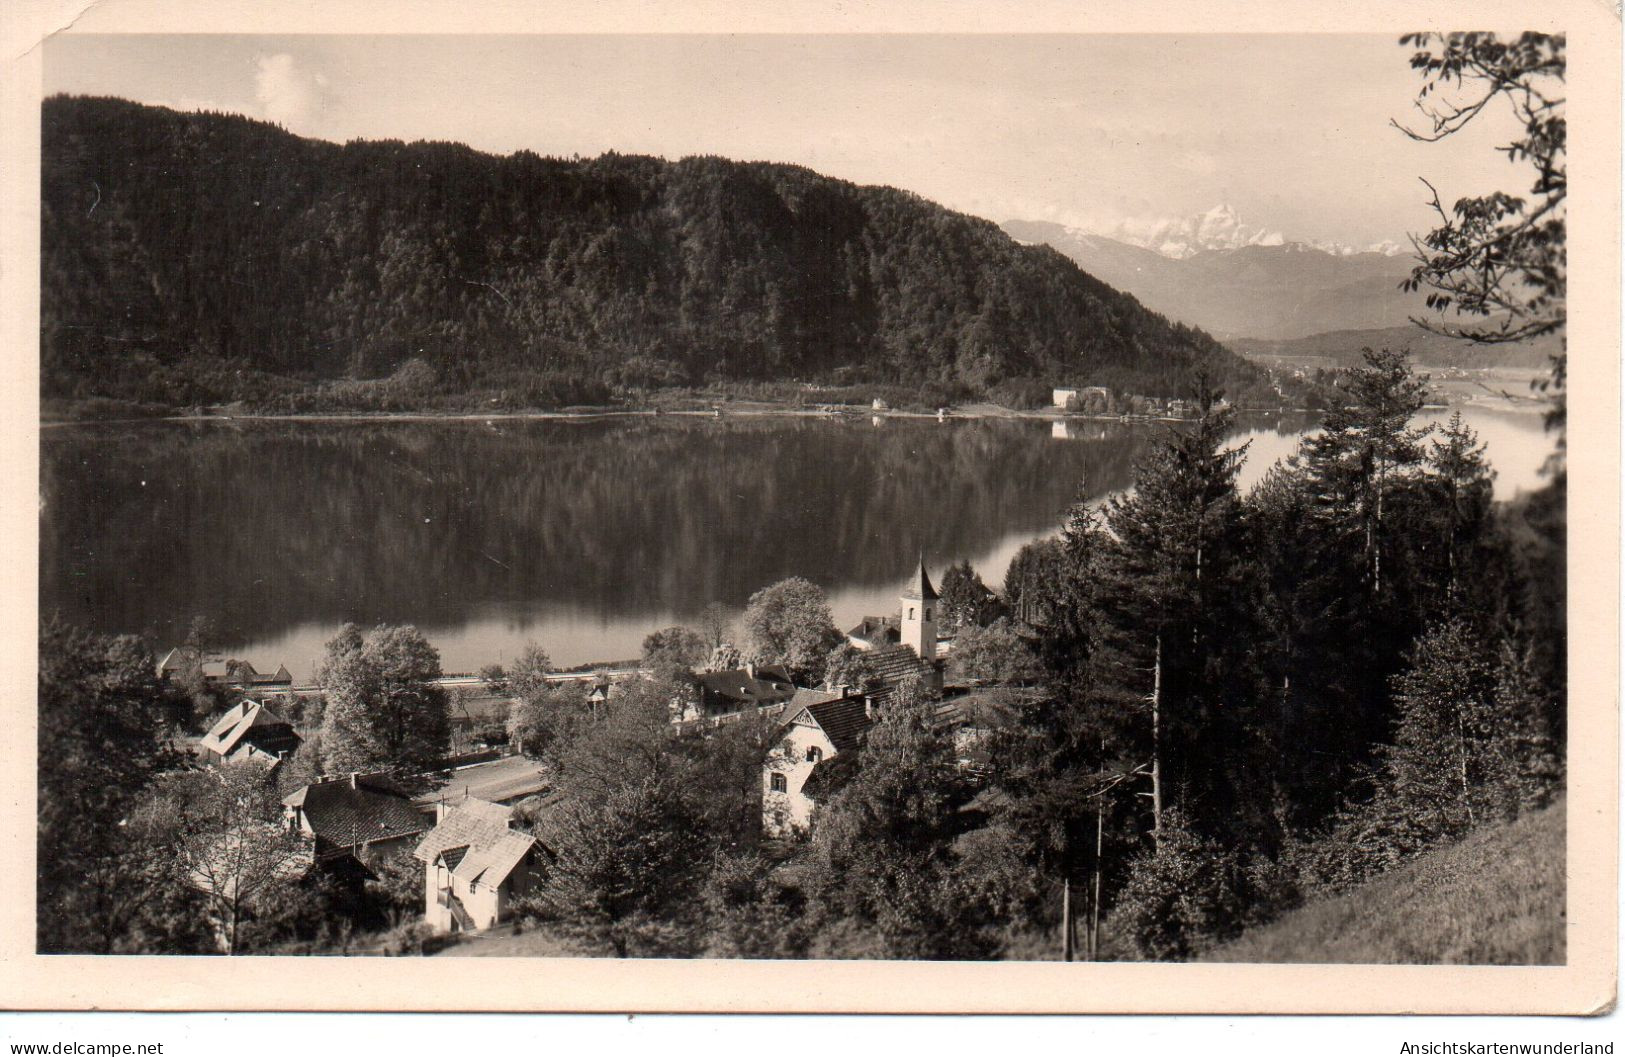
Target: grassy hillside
[1497,898]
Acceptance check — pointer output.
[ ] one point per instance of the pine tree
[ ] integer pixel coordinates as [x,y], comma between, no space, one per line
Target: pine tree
[1181,601]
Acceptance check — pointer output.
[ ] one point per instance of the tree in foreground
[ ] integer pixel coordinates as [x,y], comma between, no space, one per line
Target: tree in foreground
[103,736]
[882,850]
[384,711]
[1498,258]
[232,846]
[789,624]
[1180,897]
[624,870]
[1470,748]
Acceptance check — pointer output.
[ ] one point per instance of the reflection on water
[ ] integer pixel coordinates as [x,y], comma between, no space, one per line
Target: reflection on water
[582,536]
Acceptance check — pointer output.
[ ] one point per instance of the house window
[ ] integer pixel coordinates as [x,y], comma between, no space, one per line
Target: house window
[928,613]
[777,783]
[814,754]
[911,612]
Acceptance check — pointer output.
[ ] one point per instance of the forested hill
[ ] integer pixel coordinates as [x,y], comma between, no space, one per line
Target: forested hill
[201,258]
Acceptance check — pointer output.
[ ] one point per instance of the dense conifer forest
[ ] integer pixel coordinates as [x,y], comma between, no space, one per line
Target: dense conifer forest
[195,259]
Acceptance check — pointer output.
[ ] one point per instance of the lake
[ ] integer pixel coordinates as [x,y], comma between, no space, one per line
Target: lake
[582,535]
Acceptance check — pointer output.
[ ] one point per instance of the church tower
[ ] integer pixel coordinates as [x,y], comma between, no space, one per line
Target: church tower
[919,625]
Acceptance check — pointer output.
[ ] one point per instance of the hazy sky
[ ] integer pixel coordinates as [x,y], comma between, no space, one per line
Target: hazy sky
[1292,131]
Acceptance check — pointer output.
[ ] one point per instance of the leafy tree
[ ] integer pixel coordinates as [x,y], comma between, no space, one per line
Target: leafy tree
[495,678]
[748,914]
[1469,748]
[527,676]
[539,722]
[384,710]
[996,654]
[789,624]
[1500,257]
[232,844]
[849,666]
[674,652]
[726,657]
[630,739]
[103,736]
[209,698]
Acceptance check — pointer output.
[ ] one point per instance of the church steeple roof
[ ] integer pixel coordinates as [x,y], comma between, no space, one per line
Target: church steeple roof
[919,586]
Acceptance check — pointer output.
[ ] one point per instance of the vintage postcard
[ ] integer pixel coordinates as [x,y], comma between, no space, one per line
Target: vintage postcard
[809,509]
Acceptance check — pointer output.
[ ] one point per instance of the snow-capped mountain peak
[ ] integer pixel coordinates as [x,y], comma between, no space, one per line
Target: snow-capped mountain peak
[1218,228]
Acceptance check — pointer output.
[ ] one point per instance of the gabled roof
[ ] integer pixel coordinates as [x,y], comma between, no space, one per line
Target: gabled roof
[844,721]
[472,821]
[475,843]
[357,809]
[766,686]
[491,864]
[872,629]
[248,675]
[254,723]
[805,697]
[919,586]
[890,665]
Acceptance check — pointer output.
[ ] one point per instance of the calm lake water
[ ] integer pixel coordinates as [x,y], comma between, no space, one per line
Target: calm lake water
[580,535]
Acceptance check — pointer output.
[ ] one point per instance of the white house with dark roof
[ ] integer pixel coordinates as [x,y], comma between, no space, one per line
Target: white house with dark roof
[475,864]
[813,736]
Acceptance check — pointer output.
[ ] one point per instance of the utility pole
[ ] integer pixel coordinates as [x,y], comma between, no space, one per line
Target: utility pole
[1066,919]
[1156,747]
[1094,903]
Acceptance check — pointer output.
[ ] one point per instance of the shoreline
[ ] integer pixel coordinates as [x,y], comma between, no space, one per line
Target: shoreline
[964,412]
[1517,404]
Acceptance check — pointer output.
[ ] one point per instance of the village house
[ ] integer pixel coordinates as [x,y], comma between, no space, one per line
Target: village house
[820,725]
[1093,399]
[251,731]
[180,659]
[242,674]
[739,689]
[475,864]
[813,736]
[875,631]
[363,815]
[239,674]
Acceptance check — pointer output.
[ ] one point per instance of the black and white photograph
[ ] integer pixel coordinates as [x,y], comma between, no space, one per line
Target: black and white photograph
[813,497]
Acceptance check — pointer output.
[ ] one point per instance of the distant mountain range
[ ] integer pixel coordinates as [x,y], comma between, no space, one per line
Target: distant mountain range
[1286,290]
[205,258]
[1284,301]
